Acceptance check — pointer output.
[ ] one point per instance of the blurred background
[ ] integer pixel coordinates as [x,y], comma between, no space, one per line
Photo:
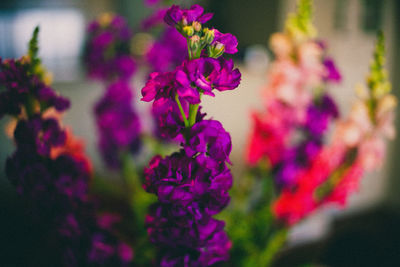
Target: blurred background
[348,26]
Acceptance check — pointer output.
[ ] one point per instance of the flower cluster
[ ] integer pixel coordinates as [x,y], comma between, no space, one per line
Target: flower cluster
[192,184]
[23,89]
[107,52]
[49,168]
[108,58]
[118,124]
[357,146]
[298,111]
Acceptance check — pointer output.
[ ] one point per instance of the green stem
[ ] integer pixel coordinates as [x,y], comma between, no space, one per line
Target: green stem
[274,245]
[193,109]
[188,47]
[193,114]
[185,120]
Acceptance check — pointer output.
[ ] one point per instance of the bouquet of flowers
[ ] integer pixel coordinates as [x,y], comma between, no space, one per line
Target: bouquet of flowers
[163,199]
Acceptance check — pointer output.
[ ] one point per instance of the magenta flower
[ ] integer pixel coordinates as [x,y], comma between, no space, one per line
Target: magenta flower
[118,124]
[20,84]
[176,15]
[228,41]
[107,50]
[332,73]
[207,74]
[168,52]
[209,138]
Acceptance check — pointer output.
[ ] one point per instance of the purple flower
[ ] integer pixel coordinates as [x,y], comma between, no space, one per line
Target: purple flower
[227,78]
[156,18]
[176,15]
[21,86]
[107,50]
[198,184]
[151,2]
[319,115]
[184,240]
[206,74]
[211,139]
[228,41]
[168,120]
[168,52]
[118,123]
[332,73]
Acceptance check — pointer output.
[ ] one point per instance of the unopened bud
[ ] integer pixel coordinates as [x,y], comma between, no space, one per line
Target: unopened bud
[216,50]
[208,35]
[196,26]
[194,42]
[188,31]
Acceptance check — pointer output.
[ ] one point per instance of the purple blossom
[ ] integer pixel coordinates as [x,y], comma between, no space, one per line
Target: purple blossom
[152,2]
[332,73]
[118,123]
[168,52]
[107,51]
[182,180]
[176,15]
[191,185]
[21,86]
[185,240]
[211,139]
[319,115]
[206,74]
[168,120]
[228,40]
[156,18]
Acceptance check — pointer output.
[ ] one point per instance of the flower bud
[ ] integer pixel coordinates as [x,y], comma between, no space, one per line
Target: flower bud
[188,31]
[196,26]
[216,50]
[208,35]
[194,43]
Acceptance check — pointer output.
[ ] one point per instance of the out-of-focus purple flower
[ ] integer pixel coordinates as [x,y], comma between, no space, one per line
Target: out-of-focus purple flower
[168,52]
[21,86]
[319,115]
[176,15]
[39,135]
[118,123]
[156,18]
[211,139]
[332,73]
[107,51]
[185,239]
[296,158]
[151,2]
[228,41]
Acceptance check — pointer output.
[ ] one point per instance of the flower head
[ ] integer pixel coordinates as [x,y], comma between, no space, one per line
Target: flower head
[175,15]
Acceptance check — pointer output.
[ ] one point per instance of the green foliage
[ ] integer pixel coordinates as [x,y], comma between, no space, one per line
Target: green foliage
[250,223]
[299,25]
[377,80]
[33,51]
